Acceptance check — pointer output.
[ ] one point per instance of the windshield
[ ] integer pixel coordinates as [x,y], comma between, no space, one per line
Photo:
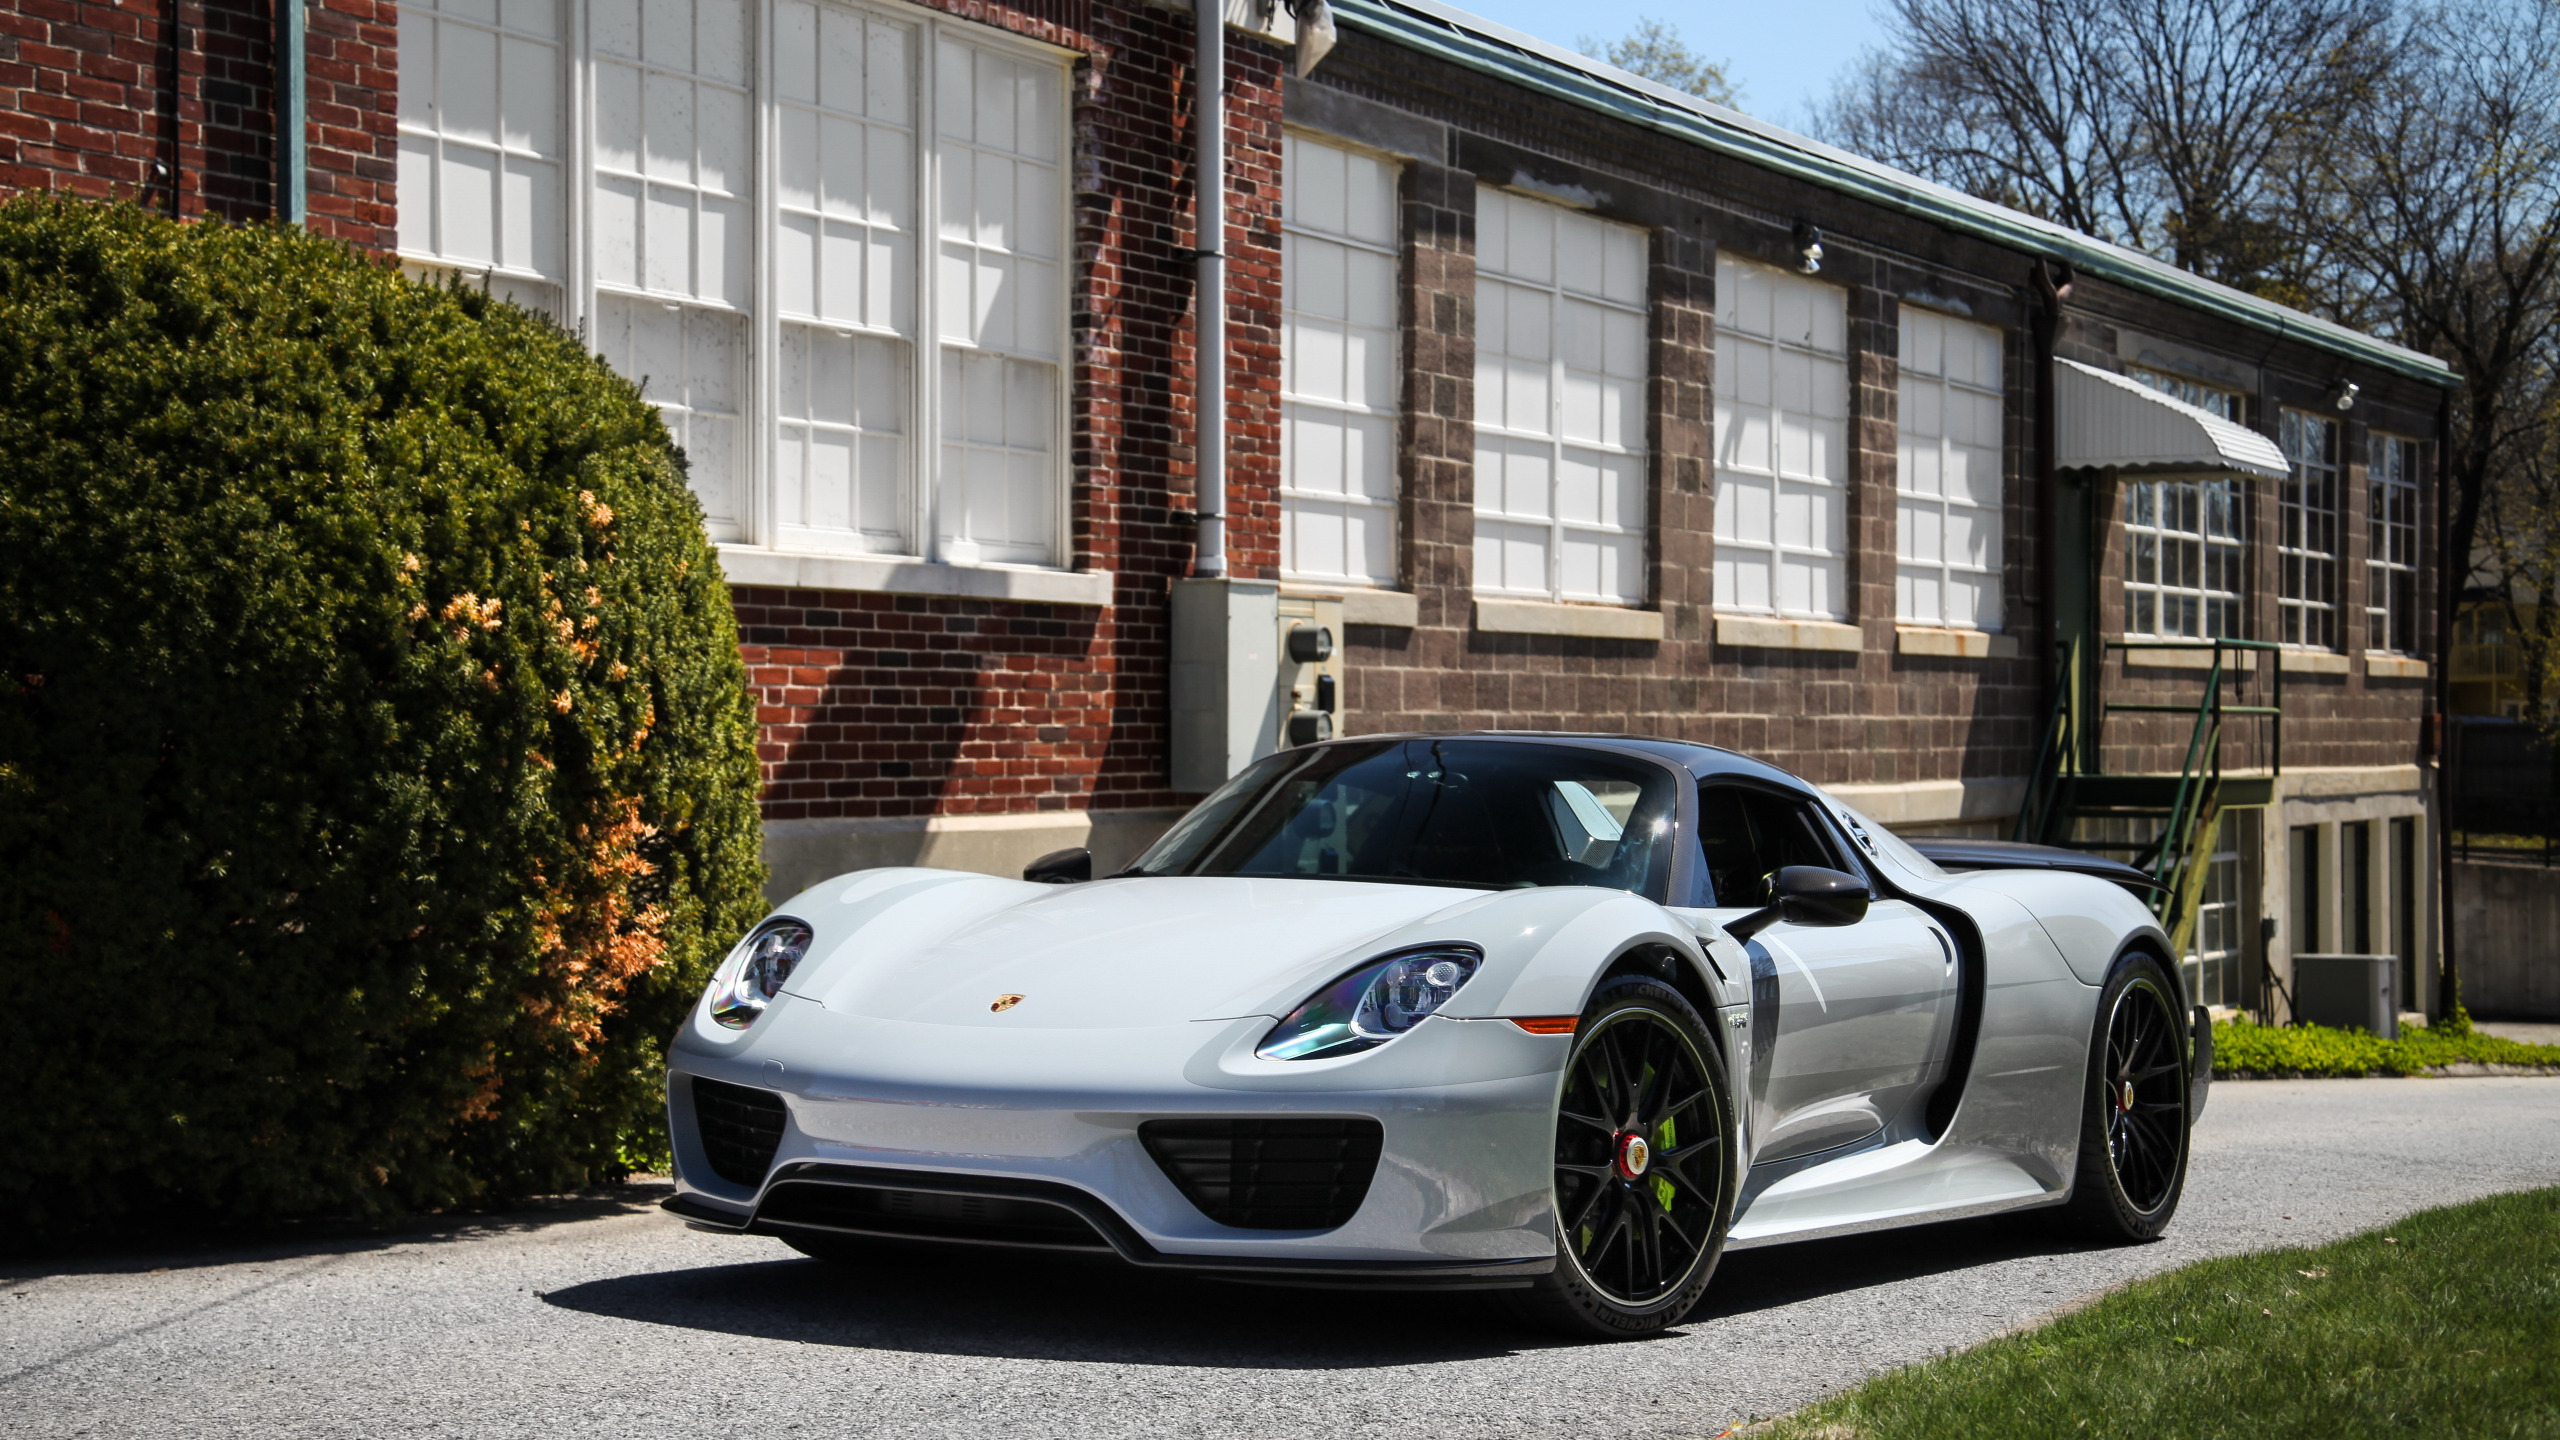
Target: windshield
[1486,814]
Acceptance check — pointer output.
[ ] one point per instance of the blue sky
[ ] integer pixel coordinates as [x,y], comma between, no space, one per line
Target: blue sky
[1784,52]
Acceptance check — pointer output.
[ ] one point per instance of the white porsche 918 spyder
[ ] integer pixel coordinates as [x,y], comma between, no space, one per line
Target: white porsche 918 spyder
[1566,1016]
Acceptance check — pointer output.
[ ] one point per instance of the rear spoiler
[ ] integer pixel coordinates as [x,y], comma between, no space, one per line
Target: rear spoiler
[1950,854]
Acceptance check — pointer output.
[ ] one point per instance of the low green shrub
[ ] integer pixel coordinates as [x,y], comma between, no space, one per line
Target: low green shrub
[377,771]
[2246,1048]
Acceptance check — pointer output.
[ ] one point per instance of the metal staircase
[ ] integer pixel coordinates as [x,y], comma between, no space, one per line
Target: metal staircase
[2070,786]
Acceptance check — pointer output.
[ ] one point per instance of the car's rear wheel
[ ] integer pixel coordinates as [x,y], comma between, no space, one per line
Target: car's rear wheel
[2134,1120]
[1644,1167]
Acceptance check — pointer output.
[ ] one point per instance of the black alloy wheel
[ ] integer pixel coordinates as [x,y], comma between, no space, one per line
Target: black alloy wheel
[2133,1147]
[1643,1166]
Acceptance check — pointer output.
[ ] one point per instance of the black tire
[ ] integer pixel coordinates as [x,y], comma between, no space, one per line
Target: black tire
[1635,1249]
[2134,1118]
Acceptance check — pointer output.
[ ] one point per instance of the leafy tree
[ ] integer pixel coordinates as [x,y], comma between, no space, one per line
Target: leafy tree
[1655,51]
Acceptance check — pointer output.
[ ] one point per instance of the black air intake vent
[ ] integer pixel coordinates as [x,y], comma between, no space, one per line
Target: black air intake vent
[1269,1174]
[822,1204]
[741,1128]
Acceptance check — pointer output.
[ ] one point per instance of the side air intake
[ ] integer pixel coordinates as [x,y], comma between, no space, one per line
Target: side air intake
[741,1127]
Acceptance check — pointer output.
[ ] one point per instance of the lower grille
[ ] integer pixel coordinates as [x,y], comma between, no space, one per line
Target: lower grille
[1269,1174]
[741,1127]
[927,1215]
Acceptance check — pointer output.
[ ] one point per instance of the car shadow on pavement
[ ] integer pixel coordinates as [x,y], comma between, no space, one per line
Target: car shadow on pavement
[1031,1306]
[1764,1279]
[1028,1306]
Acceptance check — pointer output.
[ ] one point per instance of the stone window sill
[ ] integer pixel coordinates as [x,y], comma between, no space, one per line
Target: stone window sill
[797,570]
[2393,667]
[1545,617]
[2314,662]
[1768,632]
[1360,606]
[2168,657]
[1954,644]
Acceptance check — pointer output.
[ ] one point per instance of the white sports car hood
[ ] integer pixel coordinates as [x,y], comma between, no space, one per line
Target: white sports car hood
[940,948]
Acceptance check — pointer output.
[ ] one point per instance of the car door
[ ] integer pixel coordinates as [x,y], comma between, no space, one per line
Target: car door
[1850,1023]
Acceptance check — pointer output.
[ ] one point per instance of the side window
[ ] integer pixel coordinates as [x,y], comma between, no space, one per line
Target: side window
[1748,835]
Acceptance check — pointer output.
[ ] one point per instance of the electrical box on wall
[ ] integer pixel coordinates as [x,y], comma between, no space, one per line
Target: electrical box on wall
[1225,662]
[1310,680]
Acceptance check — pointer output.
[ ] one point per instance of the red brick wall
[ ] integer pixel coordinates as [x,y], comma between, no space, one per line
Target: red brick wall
[352,64]
[174,108]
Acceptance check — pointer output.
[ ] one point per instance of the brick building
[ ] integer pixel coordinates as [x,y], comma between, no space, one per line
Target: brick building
[1561,400]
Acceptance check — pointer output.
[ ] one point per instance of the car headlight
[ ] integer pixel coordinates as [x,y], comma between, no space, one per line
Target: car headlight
[1372,1005]
[748,980]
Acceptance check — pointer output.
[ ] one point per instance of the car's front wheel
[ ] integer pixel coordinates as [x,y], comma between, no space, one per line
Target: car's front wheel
[2134,1120]
[1644,1167]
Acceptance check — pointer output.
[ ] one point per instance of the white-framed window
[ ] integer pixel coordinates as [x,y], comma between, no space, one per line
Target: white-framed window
[2186,558]
[2392,469]
[828,239]
[1782,443]
[2212,399]
[2213,962]
[1560,402]
[484,157]
[2307,532]
[1337,364]
[1948,468]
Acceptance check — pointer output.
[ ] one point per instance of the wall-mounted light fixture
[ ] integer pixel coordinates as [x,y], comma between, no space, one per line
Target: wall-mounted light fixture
[1808,247]
[2346,394]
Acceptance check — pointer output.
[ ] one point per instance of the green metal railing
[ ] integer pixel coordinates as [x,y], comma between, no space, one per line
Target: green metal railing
[2071,754]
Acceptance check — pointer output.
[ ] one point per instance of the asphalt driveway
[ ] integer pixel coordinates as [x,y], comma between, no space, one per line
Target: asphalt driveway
[609,1318]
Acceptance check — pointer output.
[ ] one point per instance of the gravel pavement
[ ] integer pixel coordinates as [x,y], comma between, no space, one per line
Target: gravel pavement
[610,1318]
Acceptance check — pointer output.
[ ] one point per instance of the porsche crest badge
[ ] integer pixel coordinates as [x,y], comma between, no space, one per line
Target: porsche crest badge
[1005,1002]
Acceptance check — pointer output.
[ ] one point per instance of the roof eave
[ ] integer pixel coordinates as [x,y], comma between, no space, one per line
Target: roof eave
[1484,46]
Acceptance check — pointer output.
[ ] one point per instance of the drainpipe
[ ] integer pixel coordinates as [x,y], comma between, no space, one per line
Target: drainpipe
[293,104]
[2053,287]
[1209,234]
[2439,734]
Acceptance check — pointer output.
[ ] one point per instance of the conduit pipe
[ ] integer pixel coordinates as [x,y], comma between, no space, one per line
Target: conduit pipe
[1209,294]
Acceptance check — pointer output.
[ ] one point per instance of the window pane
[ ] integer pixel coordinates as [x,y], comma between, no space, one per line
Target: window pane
[2183,558]
[1338,345]
[691,363]
[1560,372]
[1949,461]
[1781,437]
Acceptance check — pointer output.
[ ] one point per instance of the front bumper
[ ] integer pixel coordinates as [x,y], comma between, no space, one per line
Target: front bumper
[1461,1191]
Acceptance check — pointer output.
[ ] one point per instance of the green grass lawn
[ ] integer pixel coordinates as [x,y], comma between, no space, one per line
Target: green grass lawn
[2243,1047]
[2446,1323]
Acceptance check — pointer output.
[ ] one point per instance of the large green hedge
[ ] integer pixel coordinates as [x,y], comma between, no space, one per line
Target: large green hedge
[376,764]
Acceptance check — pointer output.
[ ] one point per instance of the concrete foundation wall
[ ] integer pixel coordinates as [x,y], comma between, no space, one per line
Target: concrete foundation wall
[2506,938]
[803,852]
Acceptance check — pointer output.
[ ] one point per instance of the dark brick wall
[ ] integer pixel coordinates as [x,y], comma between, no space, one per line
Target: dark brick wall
[1878,716]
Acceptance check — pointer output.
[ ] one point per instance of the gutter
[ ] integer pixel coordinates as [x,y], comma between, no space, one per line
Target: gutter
[1481,45]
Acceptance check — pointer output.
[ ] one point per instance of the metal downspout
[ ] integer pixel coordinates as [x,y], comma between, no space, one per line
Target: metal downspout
[1209,295]
[2052,286]
[293,105]
[2439,735]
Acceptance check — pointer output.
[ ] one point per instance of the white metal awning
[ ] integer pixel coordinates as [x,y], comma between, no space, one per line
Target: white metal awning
[2107,419]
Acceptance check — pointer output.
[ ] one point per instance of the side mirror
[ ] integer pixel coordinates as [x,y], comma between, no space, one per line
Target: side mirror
[1061,867]
[1807,895]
